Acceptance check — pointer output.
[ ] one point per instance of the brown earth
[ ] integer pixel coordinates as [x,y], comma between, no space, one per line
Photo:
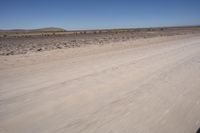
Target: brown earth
[38,43]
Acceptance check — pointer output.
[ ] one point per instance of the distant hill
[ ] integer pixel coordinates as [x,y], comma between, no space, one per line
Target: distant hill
[48,29]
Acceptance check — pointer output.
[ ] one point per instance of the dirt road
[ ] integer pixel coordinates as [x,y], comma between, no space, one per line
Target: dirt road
[146,89]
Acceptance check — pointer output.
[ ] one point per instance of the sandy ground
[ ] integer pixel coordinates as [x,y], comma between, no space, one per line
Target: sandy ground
[145,86]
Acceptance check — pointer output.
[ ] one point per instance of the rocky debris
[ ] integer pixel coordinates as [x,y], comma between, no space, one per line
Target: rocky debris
[23,45]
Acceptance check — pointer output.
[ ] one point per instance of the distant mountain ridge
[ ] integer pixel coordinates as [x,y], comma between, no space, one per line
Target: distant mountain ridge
[48,29]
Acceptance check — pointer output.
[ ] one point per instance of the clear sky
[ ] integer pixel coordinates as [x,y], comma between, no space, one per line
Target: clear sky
[94,14]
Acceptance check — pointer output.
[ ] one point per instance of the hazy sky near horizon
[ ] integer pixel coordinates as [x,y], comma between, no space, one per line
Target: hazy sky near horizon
[94,14]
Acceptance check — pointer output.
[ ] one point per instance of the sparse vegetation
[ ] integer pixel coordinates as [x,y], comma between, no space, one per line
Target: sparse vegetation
[24,42]
[162,29]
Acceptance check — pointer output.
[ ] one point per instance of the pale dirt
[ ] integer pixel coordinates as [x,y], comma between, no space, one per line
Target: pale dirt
[145,86]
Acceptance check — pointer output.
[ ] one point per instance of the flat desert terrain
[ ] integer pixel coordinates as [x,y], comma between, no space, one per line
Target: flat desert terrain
[145,85]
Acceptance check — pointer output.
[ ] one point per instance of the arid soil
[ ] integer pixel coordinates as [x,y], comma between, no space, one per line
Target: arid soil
[149,85]
[23,45]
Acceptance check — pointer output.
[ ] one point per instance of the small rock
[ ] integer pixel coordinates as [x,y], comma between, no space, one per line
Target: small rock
[40,49]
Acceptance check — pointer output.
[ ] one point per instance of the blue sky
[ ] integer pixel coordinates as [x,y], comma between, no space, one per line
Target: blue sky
[94,14]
